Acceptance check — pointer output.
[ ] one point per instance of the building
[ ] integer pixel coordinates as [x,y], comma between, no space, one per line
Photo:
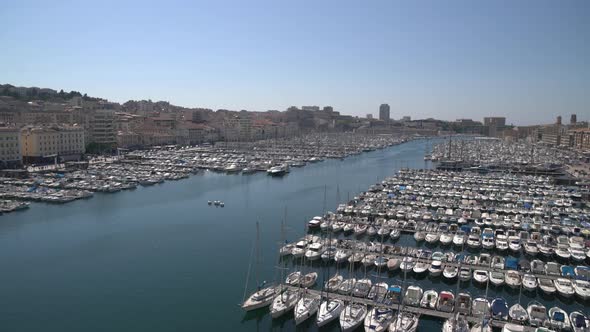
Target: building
[558,121]
[10,153]
[43,143]
[581,139]
[370,116]
[310,108]
[384,112]
[406,118]
[101,129]
[498,122]
[573,119]
[237,128]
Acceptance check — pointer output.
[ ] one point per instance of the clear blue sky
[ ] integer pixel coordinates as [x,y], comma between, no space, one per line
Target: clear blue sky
[527,60]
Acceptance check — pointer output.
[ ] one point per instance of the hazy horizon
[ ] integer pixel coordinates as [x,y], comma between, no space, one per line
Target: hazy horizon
[528,61]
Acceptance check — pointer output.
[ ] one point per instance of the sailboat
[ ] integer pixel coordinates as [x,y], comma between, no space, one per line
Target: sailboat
[306,307]
[354,313]
[264,295]
[284,302]
[404,322]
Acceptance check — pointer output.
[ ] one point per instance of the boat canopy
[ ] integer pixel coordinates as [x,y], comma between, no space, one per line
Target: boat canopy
[466,228]
[395,289]
[511,263]
[567,271]
[558,316]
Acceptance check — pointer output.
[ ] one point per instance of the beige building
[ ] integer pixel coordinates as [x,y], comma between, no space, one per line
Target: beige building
[101,128]
[10,154]
[39,143]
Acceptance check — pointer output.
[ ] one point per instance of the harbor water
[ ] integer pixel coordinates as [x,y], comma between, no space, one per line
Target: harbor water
[160,258]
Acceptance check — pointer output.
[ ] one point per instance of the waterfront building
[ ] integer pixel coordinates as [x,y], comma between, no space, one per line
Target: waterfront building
[384,112]
[581,139]
[10,154]
[41,143]
[102,128]
[497,121]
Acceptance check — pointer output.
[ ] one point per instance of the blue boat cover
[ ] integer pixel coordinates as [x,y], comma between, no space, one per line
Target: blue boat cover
[511,263]
[395,289]
[558,316]
[567,271]
[466,229]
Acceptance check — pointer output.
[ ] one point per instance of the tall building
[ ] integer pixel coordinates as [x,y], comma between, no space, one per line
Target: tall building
[573,119]
[558,121]
[310,108]
[384,112]
[10,154]
[369,116]
[498,121]
[38,143]
[102,128]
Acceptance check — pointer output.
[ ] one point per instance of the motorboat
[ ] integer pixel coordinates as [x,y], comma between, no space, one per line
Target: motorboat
[352,316]
[450,271]
[369,260]
[480,307]
[371,231]
[537,314]
[473,241]
[419,236]
[306,307]
[284,302]
[329,310]
[395,234]
[488,243]
[309,279]
[393,264]
[294,278]
[564,287]
[446,238]
[537,266]
[547,286]
[378,292]
[480,276]
[529,282]
[558,319]
[464,273]
[413,296]
[333,284]
[499,309]
[496,278]
[404,322]
[446,301]
[278,170]
[360,229]
[514,244]
[429,299]
[314,223]
[518,313]
[378,319]
[286,249]
[362,287]
[380,262]
[580,322]
[260,299]
[456,323]
[435,268]
[582,289]
[393,296]
[420,267]
[478,327]
[464,303]
[562,252]
[314,251]
[346,286]
[484,260]
[459,238]
[531,248]
[498,262]
[553,268]
[407,264]
[432,238]
[342,255]
[501,245]
[299,249]
[512,279]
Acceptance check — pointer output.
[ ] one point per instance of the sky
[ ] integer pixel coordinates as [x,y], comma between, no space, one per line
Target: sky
[526,60]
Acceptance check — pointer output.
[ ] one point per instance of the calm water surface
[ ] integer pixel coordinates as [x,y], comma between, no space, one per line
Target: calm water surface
[160,259]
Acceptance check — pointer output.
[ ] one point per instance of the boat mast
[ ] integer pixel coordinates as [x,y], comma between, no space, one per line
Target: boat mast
[248,274]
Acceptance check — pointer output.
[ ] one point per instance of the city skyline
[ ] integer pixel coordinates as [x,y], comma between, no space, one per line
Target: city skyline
[424,60]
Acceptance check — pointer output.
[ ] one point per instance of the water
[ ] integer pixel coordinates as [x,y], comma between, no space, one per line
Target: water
[160,259]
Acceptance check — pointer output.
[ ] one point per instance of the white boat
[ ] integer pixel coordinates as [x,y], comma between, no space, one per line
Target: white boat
[429,299]
[299,249]
[496,278]
[480,276]
[314,251]
[329,310]
[362,287]
[547,286]
[514,244]
[378,319]
[393,264]
[404,322]
[465,273]
[446,301]
[518,313]
[529,282]
[420,267]
[559,319]
[582,289]
[306,307]
[360,229]
[378,291]
[341,255]
[314,223]
[456,323]
[480,307]
[473,241]
[564,287]
[278,170]
[450,271]
[479,328]
[309,279]
[407,264]
[501,245]
[446,238]
[488,243]
[531,248]
[419,236]
[413,296]
[346,286]
[537,314]
[459,238]
[512,279]
[432,238]
[260,299]
[284,302]
[286,249]
[580,322]
[435,268]
[352,316]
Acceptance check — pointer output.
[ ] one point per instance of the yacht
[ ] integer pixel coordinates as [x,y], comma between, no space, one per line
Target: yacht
[378,319]
[329,310]
[352,316]
[279,170]
[306,307]
[284,302]
[413,296]
[333,284]
[314,251]
[260,299]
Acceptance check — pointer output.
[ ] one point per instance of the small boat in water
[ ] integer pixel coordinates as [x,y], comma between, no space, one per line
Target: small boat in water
[456,323]
[429,299]
[480,307]
[352,316]
[329,310]
[537,314]
[404,322]
[518,313]
[446,301]
[499,309]
[306,307]
[558,319]
[580,323]
[547,286]
[413,296]
[378,319]
[333,283]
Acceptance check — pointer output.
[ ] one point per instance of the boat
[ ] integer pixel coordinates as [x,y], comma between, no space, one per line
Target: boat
[512,279]
[564,287]
[496,278]
[582,289]
[480,307]
[419,236]
[432,238]
[393,264]
[264,295]
[435,268]
[378,292]
[314,251]
[333,284]
[429,299]
[499,309]
[446,238]
[314,223]
[547,286]
[413,296]
[480,276]
[463,304]
[537,314]
[361,287]
[529,282]
[464,273]
[531,248]
[352,316]
[329,310]
[306,307]
[446,301]
[420,267]
[537,266]
[580,322]
[558,319]
[309,279]
[395,234]
[459,238]
[518,313]
[514,244]
[479,328]
[278,170]
[284,302]
[450,271]
[393,296]
[378,319]
[456,323]
[407,264]
[346,286]
[404,322]
[498,262]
